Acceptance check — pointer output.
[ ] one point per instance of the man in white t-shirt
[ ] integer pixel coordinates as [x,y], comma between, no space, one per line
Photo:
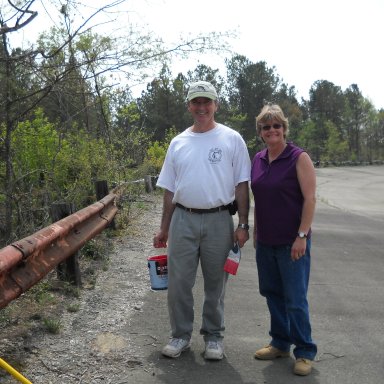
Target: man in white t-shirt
[206,169]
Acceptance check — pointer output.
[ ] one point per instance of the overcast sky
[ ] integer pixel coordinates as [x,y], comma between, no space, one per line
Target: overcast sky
[305,40]
[340,41]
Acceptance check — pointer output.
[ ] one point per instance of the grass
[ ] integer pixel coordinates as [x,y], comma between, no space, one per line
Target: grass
[41,293]
[52,325]
[5,316]
[73,307]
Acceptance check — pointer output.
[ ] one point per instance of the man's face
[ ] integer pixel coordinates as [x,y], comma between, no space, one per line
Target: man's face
[202,109]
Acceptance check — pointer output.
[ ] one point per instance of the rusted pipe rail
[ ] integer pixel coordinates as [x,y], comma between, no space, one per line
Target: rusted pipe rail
[25,262]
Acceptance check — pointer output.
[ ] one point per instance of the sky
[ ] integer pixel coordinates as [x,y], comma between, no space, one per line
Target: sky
[340,41]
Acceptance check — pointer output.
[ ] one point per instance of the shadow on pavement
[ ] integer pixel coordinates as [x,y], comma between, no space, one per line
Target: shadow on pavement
[192,368]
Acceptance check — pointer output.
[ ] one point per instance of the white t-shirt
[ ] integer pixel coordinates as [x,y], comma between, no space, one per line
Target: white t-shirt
[202,169]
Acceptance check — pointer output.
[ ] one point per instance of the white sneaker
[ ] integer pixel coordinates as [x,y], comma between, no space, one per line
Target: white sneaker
[214,350]
[175,347]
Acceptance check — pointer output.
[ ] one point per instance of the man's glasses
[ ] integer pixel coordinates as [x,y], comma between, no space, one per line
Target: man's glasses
[274,126]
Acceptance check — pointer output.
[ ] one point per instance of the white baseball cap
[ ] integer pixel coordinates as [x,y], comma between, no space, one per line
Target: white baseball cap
[201,89]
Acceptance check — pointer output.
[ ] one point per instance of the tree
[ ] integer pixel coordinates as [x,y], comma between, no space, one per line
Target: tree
[66,73]
[130,140]
[336,149]
[307,139]
[49,167]
[249,86]
[326,104]
[160,105]
[357,118]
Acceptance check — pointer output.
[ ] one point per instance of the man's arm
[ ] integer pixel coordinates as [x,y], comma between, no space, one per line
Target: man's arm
[242,199]
[168,208]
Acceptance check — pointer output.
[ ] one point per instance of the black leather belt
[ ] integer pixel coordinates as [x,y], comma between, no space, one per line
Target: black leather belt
[197,210]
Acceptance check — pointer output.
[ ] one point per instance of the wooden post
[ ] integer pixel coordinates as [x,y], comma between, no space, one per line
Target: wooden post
[148,184]
[102,190]
[154,181]
[69,269]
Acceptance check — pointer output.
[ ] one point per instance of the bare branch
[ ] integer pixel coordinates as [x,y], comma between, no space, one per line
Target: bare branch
[32,14]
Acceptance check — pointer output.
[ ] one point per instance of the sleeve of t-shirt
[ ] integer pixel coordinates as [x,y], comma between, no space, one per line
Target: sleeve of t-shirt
[167,175]
[242,162]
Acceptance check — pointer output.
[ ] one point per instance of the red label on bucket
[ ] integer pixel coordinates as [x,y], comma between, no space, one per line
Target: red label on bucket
[161,264]
[158,271]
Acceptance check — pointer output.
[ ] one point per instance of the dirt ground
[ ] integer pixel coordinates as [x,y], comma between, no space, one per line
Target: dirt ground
[90,346]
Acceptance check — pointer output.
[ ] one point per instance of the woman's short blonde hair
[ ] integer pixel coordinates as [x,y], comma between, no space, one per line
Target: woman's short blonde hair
[271,112]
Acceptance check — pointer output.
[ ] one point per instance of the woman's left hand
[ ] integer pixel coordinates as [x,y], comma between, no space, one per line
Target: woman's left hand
[298,248]
[241,236]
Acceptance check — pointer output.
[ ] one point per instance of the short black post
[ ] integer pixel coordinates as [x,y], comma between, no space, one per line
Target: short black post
[102,190]
[101,187]
[148,184]
[67,270]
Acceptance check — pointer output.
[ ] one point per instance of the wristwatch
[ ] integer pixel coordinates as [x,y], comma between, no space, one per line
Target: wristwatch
[302,235]
[243,226]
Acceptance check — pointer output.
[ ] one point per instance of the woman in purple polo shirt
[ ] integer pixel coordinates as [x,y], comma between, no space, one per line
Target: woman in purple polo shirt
[283,183]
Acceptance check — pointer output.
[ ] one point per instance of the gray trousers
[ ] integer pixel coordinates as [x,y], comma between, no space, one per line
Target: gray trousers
[195,237]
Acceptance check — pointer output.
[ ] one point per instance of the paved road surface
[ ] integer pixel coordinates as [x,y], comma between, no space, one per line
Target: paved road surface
[346,297]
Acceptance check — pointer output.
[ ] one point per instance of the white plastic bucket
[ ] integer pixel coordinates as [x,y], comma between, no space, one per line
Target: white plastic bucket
[158,272]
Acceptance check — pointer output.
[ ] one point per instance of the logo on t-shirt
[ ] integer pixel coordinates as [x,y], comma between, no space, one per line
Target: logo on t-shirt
[215,155]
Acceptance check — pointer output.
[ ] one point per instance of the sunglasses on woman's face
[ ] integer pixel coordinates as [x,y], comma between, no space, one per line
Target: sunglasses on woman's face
[274,126]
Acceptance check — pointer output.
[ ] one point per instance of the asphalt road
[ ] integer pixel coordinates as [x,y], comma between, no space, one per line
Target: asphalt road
[346,297]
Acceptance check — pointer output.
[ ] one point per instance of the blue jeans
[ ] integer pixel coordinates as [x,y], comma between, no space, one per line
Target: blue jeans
[284,283]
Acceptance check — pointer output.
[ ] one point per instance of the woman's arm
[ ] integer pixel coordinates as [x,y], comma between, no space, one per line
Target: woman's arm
[307,179]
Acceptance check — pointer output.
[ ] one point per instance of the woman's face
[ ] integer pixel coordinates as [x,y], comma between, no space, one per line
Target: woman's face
[272,131]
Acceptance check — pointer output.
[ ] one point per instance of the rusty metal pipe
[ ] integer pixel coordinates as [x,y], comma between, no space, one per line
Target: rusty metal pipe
[14,253]
[9,256]
[27,261]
